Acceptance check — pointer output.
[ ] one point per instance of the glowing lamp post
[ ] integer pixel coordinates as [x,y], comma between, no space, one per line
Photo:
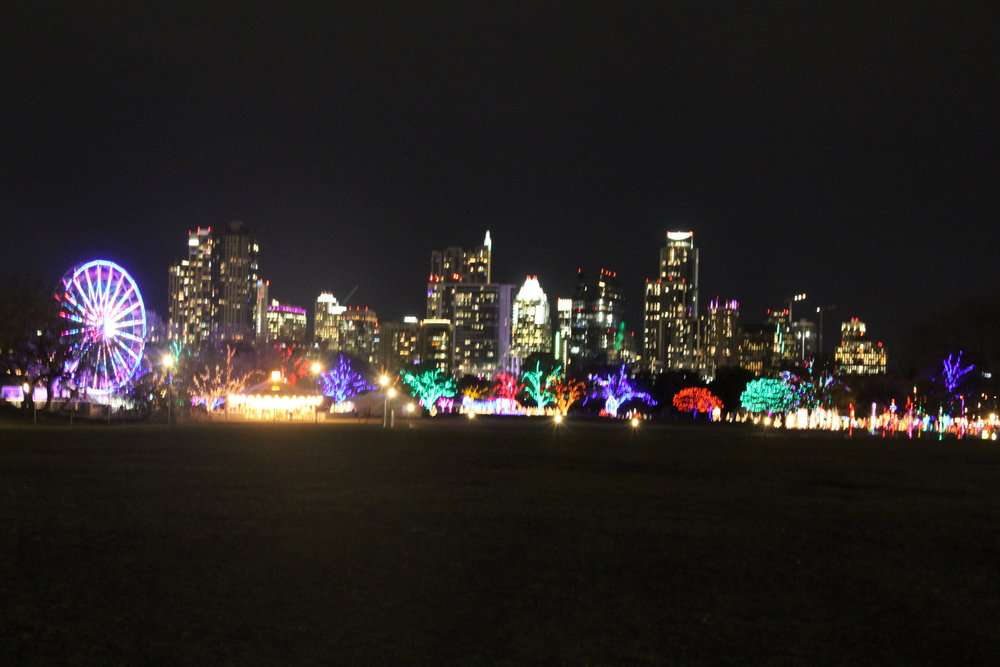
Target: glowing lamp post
[384,381]
[29,392]
[168,363]
[315,368]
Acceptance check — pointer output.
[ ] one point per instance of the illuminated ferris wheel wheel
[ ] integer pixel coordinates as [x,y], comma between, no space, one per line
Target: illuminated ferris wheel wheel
[105,323]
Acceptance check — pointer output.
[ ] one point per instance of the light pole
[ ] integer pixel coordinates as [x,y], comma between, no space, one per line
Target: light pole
[384,381]
[29,391]
[821,310]
[316,368]
[168,363]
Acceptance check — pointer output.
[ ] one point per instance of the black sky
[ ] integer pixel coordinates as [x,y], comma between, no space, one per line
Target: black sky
[842,149]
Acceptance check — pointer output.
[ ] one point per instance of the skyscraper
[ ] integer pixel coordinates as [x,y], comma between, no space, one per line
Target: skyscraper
[670,330]
[234,275]
[213,292]
[460,291]
[191,308]
[454,266]
[532,330]
[598,326]
[482,328]
[564,330]
[720,336]
[326,323]
[857,354]
[286,324]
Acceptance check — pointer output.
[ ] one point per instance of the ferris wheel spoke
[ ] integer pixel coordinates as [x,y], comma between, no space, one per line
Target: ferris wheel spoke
[122,345]
[124,297]
[85,295]
[118,287]
[125,334]
[118,361]
[91,290]
[119,313]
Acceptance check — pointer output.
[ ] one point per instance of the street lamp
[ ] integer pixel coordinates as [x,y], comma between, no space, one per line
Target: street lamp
[821,310]
[29,392]
[316,368]
[168,363]
[384,381]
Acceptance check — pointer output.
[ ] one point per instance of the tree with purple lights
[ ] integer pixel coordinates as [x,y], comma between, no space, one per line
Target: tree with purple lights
[342,383]
[617,389]
[953,372]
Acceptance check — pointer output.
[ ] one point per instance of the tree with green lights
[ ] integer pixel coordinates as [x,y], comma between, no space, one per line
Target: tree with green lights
[768,395]
[538,383]
[429,386]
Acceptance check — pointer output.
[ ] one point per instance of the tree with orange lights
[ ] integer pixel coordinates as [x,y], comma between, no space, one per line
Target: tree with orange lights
[695,400]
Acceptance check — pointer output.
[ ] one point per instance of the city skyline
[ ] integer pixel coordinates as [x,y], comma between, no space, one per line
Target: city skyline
[849,155]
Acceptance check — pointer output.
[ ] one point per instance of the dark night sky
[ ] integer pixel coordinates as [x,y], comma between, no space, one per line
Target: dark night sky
[835,148]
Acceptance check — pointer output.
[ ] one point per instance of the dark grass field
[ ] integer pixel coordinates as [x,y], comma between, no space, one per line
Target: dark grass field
[492,541]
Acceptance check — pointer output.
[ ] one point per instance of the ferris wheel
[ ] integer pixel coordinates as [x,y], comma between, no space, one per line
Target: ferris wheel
[105,323]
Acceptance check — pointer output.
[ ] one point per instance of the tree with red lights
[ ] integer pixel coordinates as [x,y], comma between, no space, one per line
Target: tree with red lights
[695,400]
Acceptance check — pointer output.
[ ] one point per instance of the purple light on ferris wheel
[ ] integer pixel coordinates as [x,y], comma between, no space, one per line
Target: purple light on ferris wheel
[105,323]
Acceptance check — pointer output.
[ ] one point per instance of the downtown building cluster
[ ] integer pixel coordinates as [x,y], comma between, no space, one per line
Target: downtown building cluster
[475,326]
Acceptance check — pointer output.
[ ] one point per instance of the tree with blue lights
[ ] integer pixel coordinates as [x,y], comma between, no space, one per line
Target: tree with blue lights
[429,386]
[342,383]
[953,372]
[617,389]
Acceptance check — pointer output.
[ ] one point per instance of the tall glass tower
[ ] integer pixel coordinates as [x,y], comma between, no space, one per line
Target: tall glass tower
[670,331]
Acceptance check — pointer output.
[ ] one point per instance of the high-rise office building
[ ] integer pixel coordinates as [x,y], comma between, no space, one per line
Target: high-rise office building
[857,354]
[532,330]
[598,327]
[358,333]
[213,292]
[326,322]
[234,275]
[286,324]
[460,291]
[670,327]
[454,266]
[756,348]
[564,330]
[482,321]
[720,336]
[260,311]
[398,344]
[436,344]
[191,307]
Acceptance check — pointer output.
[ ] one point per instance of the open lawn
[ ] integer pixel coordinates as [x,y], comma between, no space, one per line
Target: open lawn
[494,541]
